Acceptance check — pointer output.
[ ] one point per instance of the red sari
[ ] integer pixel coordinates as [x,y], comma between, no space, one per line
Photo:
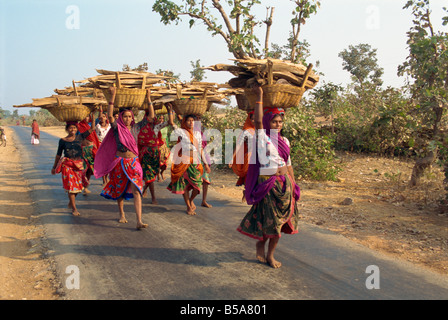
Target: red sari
[73,174]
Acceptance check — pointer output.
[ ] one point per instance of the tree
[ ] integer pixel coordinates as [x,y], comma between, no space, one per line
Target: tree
[361,62]
[142,67]
[173,78]
[427,65]
[240,24]
[197,74]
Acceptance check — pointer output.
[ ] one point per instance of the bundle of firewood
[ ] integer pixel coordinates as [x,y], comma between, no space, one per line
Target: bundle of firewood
[66,107]
[283,82]
[123,79]
[189,98]
[248,71]
[56,100]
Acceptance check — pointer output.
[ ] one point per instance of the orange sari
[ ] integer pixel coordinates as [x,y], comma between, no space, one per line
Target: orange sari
[240,169]
[178,169]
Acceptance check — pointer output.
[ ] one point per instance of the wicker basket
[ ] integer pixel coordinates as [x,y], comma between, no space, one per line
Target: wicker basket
[72,112]
[127,97]
[161,111]
[190,106]
[243,103]
[277,96]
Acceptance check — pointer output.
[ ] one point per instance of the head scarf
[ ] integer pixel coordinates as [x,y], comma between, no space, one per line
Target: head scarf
[105,159]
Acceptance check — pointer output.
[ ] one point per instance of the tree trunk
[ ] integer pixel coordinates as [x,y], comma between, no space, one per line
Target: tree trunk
[420,166]
[426,162]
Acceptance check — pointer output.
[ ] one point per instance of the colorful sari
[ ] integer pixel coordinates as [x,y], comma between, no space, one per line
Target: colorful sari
[242,152]
[35,129]
[88,156]
[149,151]
[273,198]
[89,152]
[73,174]
[123,172]
[123,175]
[276,213]
[184,172]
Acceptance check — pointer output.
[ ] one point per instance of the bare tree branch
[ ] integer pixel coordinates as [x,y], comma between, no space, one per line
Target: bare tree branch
[268,23]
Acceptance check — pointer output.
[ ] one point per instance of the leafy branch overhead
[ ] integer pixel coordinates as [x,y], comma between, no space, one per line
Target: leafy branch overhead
[235,22]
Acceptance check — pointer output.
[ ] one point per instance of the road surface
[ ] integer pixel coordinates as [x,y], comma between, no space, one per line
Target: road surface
[202,257]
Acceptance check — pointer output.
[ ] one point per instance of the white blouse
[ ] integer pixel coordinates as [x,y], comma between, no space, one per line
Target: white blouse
[186,144]
[101,132]
[268,155]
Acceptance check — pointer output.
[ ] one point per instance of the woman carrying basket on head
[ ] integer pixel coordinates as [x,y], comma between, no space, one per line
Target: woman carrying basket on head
[71,164]
[189,163]
[270,185]
[149,146]
[118,156]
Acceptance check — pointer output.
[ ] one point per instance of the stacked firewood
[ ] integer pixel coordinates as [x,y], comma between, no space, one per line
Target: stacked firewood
[263,71]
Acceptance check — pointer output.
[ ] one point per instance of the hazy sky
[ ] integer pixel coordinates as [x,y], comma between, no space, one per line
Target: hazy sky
[46,44]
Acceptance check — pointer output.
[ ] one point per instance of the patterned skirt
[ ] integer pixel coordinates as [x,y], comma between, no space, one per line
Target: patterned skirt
[87,155]
[73,175]
[150,164]
[164,155]
[277,213]
[206,178]
[126,172]
[191,179]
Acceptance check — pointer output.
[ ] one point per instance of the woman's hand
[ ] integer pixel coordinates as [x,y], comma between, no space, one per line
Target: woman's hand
[53,171]
[256,88]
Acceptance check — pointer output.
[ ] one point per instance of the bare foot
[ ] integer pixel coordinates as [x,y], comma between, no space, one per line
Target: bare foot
[260,251]
[144,193]
[191,212]
[154,201]
[192,206]
[141,225]
[274,263]
[86,191]
[207,205]
[76,213]
[122,220]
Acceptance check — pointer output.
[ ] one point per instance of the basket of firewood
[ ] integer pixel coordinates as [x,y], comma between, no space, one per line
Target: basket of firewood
[65,113]
[127,97]
[277,96]
[130,86]
[283,83]
[196,105]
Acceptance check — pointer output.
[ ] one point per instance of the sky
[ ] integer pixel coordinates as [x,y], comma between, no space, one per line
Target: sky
[45,44]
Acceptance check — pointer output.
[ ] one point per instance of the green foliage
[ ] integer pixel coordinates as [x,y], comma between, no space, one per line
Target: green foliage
[197,74]
[374,120]
[361,62]
[235,22]
[312,153]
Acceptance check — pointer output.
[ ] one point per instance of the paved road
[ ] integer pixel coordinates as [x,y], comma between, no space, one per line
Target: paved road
[201,257]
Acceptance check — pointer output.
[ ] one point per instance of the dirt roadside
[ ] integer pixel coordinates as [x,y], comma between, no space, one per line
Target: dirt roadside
[26,273]
[371,204]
